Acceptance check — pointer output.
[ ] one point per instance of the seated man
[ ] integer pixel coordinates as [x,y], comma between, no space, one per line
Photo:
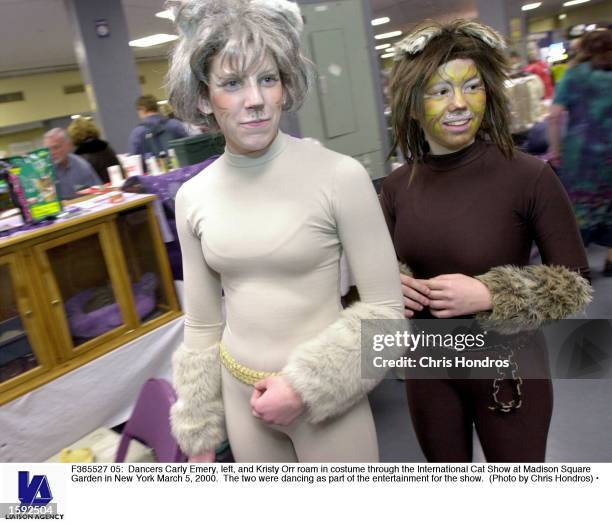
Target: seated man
[73,173]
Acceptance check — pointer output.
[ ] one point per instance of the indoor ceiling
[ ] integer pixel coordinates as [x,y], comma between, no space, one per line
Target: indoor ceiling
[37,36]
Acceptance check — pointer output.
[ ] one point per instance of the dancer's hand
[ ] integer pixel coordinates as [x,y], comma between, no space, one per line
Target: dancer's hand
[456,295]
[276,402]
[207,456]
[415,293]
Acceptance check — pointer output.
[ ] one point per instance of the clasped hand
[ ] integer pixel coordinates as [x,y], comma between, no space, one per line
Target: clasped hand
[446,295]
[275,401]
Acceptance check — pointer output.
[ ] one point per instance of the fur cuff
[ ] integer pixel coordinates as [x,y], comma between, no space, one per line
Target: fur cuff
[198,421]
[405,270]
[326,370]
[524,298]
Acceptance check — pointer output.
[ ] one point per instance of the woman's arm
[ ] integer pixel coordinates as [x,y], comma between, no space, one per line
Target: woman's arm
[565,94]
[524,298]
[198,421]
[554,134]
[326,371]
[364,235]
[415,292]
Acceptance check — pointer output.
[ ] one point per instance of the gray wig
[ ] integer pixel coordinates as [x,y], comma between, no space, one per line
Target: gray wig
[242,32]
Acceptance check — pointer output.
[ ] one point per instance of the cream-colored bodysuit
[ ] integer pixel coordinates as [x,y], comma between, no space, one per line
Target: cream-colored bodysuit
[269,231]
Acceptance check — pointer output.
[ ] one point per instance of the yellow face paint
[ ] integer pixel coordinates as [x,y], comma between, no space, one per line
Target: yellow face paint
[454,101]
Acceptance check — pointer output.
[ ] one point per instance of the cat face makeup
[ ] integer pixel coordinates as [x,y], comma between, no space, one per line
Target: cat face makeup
[247,105]
[454,105]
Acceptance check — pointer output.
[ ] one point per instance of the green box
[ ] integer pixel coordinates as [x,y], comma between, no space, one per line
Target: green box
[194,149]
[36,176]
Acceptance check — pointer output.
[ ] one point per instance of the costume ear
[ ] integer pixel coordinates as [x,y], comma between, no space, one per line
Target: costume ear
[204,106]
[485,33]
[416,41]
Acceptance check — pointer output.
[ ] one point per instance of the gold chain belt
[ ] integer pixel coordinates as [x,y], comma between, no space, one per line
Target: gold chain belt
[247,375]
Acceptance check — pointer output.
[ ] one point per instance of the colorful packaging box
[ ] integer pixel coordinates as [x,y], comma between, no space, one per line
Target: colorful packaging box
[36,176]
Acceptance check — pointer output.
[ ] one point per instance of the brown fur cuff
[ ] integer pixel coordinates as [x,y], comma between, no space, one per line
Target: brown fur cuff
[524,298]
[326,370]
[405,270]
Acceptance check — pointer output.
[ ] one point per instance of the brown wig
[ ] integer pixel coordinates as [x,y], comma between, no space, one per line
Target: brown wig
[147,103]
[596,48]
[437,44]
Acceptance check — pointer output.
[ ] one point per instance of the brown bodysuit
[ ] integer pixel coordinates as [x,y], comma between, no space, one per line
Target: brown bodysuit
[468,212]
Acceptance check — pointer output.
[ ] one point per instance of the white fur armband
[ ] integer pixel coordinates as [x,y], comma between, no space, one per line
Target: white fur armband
[326,370]
[524,298]
[198,421]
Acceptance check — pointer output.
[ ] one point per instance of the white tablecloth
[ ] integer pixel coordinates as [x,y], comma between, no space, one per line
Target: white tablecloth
[40,423]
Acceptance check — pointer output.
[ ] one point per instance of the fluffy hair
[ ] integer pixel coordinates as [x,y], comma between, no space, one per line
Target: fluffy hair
[242,33]
[82,129]
[147,103]
[425,49]
[57,132]
[596,48]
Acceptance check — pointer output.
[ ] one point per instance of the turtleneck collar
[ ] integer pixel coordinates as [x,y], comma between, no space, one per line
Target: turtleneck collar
[244,161]
[457,159]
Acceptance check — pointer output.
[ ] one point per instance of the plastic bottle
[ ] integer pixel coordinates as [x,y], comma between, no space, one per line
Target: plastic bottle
[151,163]
[173,159]
[162,159]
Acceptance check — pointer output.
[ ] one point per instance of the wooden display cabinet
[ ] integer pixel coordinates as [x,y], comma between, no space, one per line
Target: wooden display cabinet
[79,288]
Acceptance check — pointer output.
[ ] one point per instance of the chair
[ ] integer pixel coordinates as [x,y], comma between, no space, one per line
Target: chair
[150,422]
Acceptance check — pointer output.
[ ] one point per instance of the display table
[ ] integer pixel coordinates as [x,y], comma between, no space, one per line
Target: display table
[101,393]
[78,288]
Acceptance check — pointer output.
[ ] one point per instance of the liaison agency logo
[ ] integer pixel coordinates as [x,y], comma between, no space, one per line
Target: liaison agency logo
[35,498]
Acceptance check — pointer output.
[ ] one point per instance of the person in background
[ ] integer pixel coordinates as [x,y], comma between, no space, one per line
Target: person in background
[516,62]
[558,69]
[573,51]
[73,172]
[585,155]
[463,214]
[86,139]
[155,131]
[537,66]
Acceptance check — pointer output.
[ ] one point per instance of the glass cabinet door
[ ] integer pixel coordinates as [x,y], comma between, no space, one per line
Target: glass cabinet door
[149,283]
[84,286]
[19,332]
